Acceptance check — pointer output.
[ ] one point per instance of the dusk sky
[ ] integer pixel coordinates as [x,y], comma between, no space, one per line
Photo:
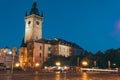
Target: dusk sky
[92,24]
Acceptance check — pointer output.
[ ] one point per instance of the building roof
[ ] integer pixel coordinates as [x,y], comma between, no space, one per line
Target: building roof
[55,41]
[66,43]
[43,40]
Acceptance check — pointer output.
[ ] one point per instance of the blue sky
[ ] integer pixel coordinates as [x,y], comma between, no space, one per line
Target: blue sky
[92,24]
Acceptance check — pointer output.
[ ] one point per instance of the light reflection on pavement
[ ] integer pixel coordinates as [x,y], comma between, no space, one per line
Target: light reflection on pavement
[63,76]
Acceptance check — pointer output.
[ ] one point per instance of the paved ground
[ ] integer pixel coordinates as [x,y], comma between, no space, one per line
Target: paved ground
[58,76]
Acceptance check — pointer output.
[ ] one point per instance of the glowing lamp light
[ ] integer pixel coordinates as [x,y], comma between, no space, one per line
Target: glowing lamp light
[17,64]
[45,67]
[84,63]
[65,67]
[37,64]
[9,52]
[58,64]
[4,51]
[59,68]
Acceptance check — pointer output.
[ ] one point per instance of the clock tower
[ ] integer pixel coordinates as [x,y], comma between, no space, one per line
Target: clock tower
[33,24]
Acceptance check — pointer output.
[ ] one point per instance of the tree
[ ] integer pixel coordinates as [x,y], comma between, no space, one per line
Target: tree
[99,58]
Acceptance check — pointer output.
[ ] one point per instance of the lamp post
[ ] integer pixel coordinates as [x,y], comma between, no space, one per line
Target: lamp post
[58,65]
[114,65]
[37,65]
[13,56]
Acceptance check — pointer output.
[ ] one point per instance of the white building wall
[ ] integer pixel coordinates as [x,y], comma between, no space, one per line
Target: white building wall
[6,57]
[64,50]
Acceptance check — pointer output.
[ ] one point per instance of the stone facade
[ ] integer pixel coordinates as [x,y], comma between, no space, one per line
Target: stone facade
[6,57]
[33,27]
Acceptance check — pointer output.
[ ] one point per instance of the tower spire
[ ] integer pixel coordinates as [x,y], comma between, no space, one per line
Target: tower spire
[42,14]
[34,9]
[34,0]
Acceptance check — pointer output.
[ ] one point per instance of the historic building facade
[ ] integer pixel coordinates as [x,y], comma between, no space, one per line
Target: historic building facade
[35,49]
[5,57]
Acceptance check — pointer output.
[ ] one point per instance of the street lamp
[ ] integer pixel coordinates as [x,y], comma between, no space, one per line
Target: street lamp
[58,63]
[17,65]
[37,64]
[114,65]
[84,63]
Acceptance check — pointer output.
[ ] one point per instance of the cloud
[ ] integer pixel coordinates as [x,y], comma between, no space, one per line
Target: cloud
[117,25]
[116,31]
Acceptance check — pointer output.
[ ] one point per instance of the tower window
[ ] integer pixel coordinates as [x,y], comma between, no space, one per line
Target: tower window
[37,22]
[29,22]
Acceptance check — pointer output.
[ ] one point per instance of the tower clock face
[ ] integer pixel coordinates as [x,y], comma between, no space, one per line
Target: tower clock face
[37,22]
